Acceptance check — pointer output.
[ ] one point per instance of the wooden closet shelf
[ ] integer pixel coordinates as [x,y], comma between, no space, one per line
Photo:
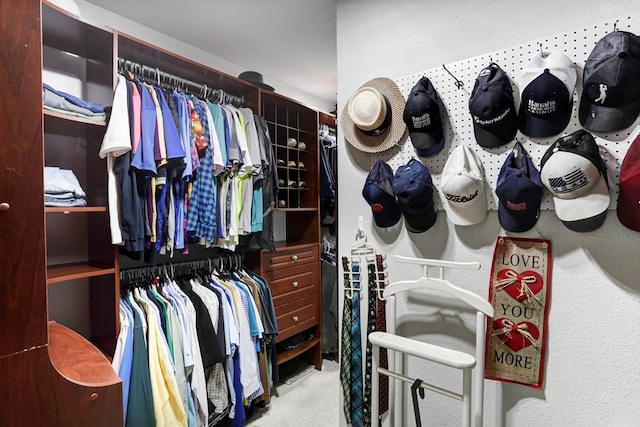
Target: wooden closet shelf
[65,272]
[76,210]
[77,359]
[70,118]
[285,356]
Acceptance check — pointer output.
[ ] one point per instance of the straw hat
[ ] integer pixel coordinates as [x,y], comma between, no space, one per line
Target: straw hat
[372,119]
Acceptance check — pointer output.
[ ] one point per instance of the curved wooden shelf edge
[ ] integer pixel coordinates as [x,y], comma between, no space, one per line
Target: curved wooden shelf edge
[77,360]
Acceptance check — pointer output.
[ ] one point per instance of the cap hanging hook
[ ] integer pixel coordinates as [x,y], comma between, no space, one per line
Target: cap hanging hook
[458,83]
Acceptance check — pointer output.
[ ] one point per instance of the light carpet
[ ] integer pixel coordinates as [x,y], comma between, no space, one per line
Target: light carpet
[312,400]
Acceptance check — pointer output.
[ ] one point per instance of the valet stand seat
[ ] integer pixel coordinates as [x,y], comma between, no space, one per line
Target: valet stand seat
[400,345]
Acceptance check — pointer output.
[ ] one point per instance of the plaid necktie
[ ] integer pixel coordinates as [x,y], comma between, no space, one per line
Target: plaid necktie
[371,327]
[345,353]
[357,415]
[381,325]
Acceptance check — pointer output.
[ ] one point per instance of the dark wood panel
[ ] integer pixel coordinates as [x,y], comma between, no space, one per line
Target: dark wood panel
[35,394]
[23,318]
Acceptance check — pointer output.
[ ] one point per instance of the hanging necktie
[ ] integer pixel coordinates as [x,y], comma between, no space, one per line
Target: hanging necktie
[345,353]
[371,327]
[381,325]
[357,414]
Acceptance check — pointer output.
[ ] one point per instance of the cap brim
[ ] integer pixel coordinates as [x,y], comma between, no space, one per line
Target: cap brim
[469,215]
[431,143]
[419,224]
[584,213]
[547,125]
[598,118]
[387,219]
[497,134]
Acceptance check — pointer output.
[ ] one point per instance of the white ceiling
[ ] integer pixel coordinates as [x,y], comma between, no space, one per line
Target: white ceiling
[291,40]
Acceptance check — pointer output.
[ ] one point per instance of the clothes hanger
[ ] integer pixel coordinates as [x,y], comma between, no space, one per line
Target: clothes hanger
[440,283]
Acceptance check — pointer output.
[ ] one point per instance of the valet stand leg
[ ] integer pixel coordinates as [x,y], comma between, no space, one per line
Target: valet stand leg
[375,384]
[466,398]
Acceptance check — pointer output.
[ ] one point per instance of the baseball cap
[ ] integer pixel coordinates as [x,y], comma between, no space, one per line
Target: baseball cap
[575,174]
[610,90]
[378,192]
[547,97]
[519,191]
[463,187]
[414,188]
[423,120]
[492,108]
[628,208]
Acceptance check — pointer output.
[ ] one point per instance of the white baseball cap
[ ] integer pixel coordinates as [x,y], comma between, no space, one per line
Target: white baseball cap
[576,176]
[462,187]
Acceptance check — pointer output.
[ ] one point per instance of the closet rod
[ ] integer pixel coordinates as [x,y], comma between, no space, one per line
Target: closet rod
[156,76]
[231,260]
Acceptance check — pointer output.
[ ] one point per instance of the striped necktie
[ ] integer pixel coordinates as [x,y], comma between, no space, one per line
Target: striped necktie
[345,352]
[357,413]
[381,325]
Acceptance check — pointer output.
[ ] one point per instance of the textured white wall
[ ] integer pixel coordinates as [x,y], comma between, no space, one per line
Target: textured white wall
[591,376]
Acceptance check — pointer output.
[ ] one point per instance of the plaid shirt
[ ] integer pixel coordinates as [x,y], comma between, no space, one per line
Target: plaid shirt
[201,216]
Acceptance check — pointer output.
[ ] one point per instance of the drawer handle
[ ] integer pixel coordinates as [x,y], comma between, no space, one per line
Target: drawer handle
[295,318]
[295,257]
[295,284]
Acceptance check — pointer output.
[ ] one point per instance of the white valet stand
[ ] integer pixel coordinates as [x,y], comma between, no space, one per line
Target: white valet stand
[438,354]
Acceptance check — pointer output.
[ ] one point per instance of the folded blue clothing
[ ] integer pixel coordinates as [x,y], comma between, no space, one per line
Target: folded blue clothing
[91,106]
[61,181]
[64,203]
[54,101]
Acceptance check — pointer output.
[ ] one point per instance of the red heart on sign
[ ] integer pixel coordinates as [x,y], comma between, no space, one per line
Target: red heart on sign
[516,335]
[519,282]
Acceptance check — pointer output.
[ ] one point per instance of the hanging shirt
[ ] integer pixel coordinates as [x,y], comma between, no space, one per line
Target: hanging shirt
[167,403]
[198,381]
[140,409]
[116,142]
[144,158]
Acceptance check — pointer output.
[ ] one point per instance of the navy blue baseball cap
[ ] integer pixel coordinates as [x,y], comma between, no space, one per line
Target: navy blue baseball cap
[519,191]
[423,120]
[547,96]
[414,189]
[378,192]
[492,108]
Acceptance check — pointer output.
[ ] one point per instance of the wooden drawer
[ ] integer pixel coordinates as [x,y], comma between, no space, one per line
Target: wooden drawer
[297,315]
[290,256]
[293,280]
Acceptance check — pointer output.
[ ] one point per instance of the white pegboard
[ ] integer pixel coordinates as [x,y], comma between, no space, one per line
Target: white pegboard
[576,44]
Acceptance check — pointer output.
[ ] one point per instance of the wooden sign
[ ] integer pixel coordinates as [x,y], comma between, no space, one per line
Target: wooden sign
[519,291]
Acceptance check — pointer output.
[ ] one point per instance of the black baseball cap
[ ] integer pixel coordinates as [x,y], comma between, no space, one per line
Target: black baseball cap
[378,192]
[546,103]
[423,119]
[414,188]
[611,94]
[492,108]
